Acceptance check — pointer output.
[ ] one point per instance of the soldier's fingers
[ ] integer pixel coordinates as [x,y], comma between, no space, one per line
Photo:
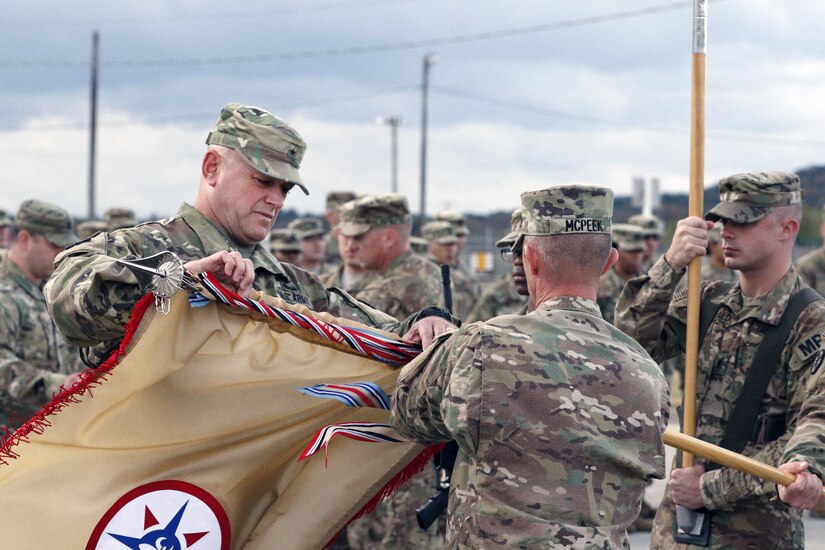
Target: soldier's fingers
[412,335]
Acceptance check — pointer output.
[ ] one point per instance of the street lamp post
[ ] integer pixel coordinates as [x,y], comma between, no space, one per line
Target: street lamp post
[393,122]
[429,60]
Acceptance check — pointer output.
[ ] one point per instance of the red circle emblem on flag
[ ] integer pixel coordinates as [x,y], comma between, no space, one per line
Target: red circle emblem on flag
[173,515]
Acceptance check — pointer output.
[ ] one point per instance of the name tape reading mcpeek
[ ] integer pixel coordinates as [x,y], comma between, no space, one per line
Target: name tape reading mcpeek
[584,225]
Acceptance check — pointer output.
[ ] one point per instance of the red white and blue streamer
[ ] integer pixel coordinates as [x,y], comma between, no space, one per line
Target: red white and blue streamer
[359,394]
[360,431]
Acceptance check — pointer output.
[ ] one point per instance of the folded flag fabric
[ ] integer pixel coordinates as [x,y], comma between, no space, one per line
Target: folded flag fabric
[190,437]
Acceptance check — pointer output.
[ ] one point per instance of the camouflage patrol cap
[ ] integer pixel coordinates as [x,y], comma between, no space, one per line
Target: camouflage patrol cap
[118,217]
[629,237]
[439,231]
[4,219]
[90,227]
[652,224]
[747,198]
[361,215]
[419,245]
[284,240]
[48,220]
[307,227]
[270,145]
[516,221]
[456,218]
[336,198]
[567,210]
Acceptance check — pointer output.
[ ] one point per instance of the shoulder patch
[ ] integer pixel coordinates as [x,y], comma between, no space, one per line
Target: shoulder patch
[809,347]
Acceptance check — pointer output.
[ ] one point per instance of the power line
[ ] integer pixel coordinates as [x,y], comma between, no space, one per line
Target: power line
[360,50]
[177,18]
[658,128]
[296,104]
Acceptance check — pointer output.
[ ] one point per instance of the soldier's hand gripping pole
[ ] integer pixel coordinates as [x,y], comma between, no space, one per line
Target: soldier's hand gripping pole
[444,461]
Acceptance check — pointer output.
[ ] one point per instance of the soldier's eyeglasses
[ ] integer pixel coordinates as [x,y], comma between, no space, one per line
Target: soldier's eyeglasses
[509,255]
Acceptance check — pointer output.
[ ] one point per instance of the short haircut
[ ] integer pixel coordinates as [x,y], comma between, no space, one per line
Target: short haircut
[573,257]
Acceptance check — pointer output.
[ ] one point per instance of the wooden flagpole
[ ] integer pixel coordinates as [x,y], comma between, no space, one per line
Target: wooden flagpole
[695,208]
[727,458]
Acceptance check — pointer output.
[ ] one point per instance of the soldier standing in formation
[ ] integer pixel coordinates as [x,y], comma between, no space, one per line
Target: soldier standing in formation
[285,245]
[811,266]
[351,275]
[760,213]
[444,251]
[335,200]
[5,230]
[118,217]
[654,230]
[549,456]
[34,360]
[508,295]
[311,234]
[629,240]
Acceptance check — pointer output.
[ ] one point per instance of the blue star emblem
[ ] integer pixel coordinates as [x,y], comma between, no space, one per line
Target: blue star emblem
[164,538]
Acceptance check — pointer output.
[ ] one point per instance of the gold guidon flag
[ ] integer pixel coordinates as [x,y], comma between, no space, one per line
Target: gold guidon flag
[190,438]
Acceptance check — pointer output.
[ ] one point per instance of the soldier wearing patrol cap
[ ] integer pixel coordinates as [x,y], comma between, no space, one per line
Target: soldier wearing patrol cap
[335,200]
[456,219]
[5,230]
[760,213]
[509,294]
[629,240]
[118,217]
[90,227]
[811,266]
[34,360]
[375,233]
[313,246]
[444,251]
[514,391]
[251,163]
[352,275]
[285,245]
[654,230]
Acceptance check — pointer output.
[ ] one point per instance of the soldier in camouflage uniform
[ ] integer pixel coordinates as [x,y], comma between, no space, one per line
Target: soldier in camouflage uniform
[419,245]
[811,266]
[352,275]
[250,165]
[654,230]
[118,217]
[34,360]
[760,212]
[558,416]
[629,240]
[444,251]
[285,245]
[88,228]
[713,265]
[335,200]
[375,233]
[311,233]
[5,230]
[508,295]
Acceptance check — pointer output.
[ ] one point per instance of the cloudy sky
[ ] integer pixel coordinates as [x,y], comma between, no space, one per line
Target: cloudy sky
[525,93]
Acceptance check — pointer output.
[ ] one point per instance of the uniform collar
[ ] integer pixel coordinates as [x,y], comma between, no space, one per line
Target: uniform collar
[769,307]
[572,303]
[15,274]
[215,239]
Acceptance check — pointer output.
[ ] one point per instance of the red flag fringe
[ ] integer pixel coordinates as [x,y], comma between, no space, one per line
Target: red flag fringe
[89,378]
[415,466]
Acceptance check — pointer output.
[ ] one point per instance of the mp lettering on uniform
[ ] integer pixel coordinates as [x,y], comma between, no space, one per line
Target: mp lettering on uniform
[581,225]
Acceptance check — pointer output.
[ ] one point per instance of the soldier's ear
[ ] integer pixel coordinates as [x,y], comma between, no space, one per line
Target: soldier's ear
[611,260]
[209,167]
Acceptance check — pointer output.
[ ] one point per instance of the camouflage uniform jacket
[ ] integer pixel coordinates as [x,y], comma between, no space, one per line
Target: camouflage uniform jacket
[332,257]
[409,284]
[811,267]
[34,360]
[747,512]
[91,297]
[499,299]
[610,286]
[334,278]
[559,420]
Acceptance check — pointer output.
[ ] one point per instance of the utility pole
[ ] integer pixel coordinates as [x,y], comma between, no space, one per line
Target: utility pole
[393,122]
[429,60]
[93,126]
